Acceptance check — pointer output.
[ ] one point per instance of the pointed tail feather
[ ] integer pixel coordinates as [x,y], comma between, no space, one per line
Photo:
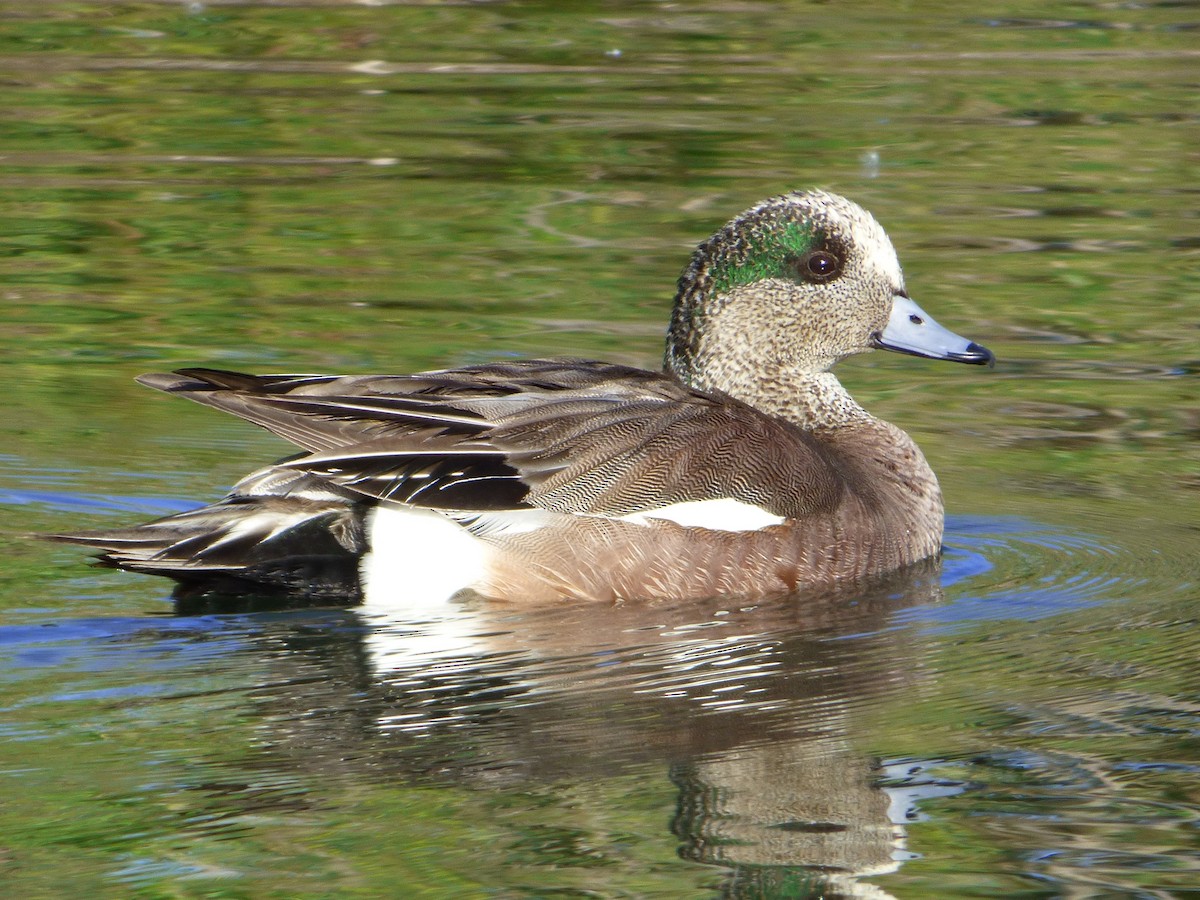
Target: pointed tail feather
[287,544]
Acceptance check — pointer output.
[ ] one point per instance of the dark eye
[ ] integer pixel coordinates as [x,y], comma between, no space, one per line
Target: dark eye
[819,266]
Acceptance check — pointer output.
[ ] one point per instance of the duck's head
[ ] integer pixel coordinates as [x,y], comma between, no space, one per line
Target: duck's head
[791,286]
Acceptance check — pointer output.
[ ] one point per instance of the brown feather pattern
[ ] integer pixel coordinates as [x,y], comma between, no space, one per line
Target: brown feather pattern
[563,435]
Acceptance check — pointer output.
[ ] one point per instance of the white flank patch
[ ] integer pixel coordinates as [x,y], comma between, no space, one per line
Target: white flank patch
[418,559]
[720,515]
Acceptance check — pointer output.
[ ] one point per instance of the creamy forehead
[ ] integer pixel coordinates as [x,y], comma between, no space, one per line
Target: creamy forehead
[848,218]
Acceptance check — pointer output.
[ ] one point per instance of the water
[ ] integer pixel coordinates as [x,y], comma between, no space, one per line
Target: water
[323,186]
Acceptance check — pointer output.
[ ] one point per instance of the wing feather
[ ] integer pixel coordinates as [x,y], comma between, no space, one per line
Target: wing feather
[562,435]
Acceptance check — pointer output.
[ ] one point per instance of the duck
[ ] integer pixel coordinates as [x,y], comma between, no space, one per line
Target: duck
[742,469]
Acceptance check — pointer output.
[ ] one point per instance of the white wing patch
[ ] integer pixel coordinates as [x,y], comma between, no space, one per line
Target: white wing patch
[719,515]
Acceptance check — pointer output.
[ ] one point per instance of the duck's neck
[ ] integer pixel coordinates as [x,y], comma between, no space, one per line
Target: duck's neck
[819,401]
[814,401]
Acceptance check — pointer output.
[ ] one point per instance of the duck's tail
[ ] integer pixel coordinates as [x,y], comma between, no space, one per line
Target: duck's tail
[305,542]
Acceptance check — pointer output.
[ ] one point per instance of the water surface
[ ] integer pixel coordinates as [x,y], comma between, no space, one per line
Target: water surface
[325,186]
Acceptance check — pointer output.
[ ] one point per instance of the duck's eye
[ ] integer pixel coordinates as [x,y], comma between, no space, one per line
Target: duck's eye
[818,266]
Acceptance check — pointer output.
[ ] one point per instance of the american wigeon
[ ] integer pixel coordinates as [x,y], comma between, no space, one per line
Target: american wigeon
[744,468]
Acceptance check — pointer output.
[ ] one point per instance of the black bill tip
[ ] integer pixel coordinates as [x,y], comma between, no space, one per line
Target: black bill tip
[975,355]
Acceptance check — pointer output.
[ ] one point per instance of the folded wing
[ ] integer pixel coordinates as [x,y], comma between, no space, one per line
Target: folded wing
[562,435]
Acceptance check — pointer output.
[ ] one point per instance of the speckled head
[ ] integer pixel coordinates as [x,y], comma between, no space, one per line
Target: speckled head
[788,288]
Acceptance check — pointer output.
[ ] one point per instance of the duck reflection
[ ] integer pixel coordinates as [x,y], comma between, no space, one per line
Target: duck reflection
[749,710]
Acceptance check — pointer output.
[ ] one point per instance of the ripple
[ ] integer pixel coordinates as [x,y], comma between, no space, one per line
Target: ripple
[1091,369]
[1030,245]
[1014,569]
[1073,821]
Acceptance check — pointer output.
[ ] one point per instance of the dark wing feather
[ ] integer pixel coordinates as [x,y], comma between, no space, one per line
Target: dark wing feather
[234,535]
[564,435]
